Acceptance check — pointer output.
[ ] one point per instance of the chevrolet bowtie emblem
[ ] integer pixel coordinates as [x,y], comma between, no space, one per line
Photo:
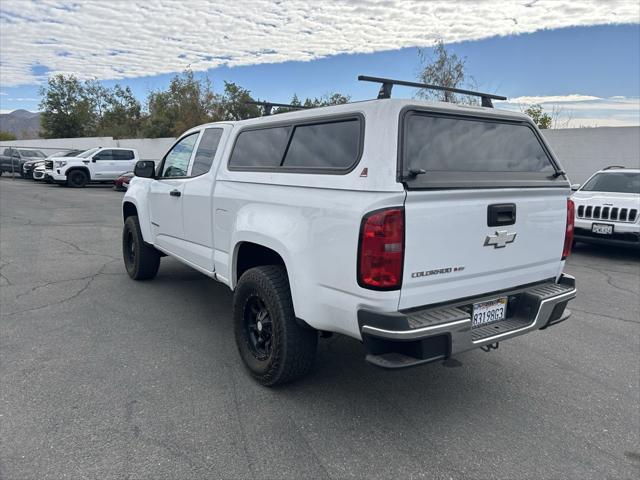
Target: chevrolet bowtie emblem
[500,239]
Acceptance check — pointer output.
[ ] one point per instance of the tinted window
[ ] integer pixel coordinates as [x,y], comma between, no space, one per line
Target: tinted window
[206,151]
[464,145]
[326,145]
[122,154]
[104,155]
[260,148]
[176,162]
[620,182]
[32,153]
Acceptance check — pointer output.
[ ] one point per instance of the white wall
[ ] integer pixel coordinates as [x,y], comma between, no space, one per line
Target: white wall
[581,151]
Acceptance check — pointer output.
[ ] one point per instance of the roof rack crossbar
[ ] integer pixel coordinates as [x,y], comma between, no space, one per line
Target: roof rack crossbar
[388,83]
[610,167]
[268,106]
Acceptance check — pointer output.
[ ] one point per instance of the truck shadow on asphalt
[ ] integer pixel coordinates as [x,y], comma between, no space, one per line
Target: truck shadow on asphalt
[340,363]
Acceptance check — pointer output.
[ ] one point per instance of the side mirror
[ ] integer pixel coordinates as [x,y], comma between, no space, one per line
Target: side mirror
[145,169]
[97,157]
[575,186]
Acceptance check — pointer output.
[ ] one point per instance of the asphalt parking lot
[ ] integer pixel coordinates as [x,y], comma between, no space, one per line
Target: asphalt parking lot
[103,377]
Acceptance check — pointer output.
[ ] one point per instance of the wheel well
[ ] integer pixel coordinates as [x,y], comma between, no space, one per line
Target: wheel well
[253,255]
[84,169]
[128,210]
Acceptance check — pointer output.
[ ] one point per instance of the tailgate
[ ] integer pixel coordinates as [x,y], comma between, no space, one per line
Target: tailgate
[452,253]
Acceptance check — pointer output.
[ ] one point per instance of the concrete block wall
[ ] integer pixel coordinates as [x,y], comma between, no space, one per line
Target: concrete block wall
[583,151]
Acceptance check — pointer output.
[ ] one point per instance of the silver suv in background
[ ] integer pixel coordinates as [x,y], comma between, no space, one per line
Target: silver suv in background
[608,208]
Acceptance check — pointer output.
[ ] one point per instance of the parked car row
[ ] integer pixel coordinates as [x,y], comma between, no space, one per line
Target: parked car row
[73,168]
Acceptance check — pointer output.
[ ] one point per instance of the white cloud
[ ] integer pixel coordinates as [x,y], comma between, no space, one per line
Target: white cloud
[582,110]
[553,99]
[119,39]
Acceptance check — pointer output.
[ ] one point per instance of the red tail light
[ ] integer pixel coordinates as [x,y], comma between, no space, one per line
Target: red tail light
[568,236]
[381,251]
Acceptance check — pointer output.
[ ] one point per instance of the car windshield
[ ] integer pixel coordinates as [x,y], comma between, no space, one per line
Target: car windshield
[32,153]
[88,153]
[616,182]
[57,154]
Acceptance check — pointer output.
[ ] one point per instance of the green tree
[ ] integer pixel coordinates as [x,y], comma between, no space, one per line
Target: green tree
[542,119]
[232,104]
[446,69]
[66,111]
[324,101]
[122,114]
[186,103]
[6,136]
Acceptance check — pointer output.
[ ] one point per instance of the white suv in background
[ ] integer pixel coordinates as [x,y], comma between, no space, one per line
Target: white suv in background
[608,207]
[96,165]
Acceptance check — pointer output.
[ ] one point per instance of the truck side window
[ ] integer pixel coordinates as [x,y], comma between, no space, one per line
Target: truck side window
[104,155]
[122,155]
[332,145]
[262,147]
[176,162]
[206,151]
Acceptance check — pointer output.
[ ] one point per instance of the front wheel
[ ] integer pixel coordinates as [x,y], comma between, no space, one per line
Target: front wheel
[273,346]
[77,179]
[141,260]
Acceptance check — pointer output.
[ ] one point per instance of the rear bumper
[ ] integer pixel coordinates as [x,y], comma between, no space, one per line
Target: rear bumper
[404,339]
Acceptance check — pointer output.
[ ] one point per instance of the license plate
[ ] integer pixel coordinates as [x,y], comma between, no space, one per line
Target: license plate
[489,312]
[602,228]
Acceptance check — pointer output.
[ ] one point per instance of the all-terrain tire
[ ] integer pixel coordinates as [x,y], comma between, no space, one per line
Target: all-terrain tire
[77,179]
[141,260]
[292,347]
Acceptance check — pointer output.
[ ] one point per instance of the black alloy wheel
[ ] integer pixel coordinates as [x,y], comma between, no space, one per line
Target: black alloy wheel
[258,328]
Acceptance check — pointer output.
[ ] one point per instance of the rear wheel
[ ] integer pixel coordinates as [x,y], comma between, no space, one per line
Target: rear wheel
[77,179]
[141,260]
[273,346]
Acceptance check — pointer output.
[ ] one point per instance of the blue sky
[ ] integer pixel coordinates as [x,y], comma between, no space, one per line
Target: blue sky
[590,73]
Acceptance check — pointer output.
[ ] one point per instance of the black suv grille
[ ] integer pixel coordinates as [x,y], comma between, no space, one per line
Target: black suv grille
[48,164]
[608,213]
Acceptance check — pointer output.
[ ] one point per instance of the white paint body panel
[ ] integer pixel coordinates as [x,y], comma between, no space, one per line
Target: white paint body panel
[312,221]
[448,228]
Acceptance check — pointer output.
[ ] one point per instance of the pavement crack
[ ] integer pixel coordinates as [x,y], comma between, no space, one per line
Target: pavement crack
[89,278]
[625,320]
[80,250]
[6,279]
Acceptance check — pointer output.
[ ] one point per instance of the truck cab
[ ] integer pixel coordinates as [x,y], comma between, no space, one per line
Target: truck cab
[422,229]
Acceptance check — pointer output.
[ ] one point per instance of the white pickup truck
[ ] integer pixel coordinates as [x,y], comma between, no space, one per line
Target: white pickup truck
[421,229]
[100,164]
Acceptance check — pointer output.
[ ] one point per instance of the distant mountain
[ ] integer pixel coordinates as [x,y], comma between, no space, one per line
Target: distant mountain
[22,123]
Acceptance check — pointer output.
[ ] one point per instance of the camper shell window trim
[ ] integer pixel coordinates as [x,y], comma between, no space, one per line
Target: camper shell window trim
[474,180]
[292,126]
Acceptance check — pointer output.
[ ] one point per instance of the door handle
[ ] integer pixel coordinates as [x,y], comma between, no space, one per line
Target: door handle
[175,193]
[501,214]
